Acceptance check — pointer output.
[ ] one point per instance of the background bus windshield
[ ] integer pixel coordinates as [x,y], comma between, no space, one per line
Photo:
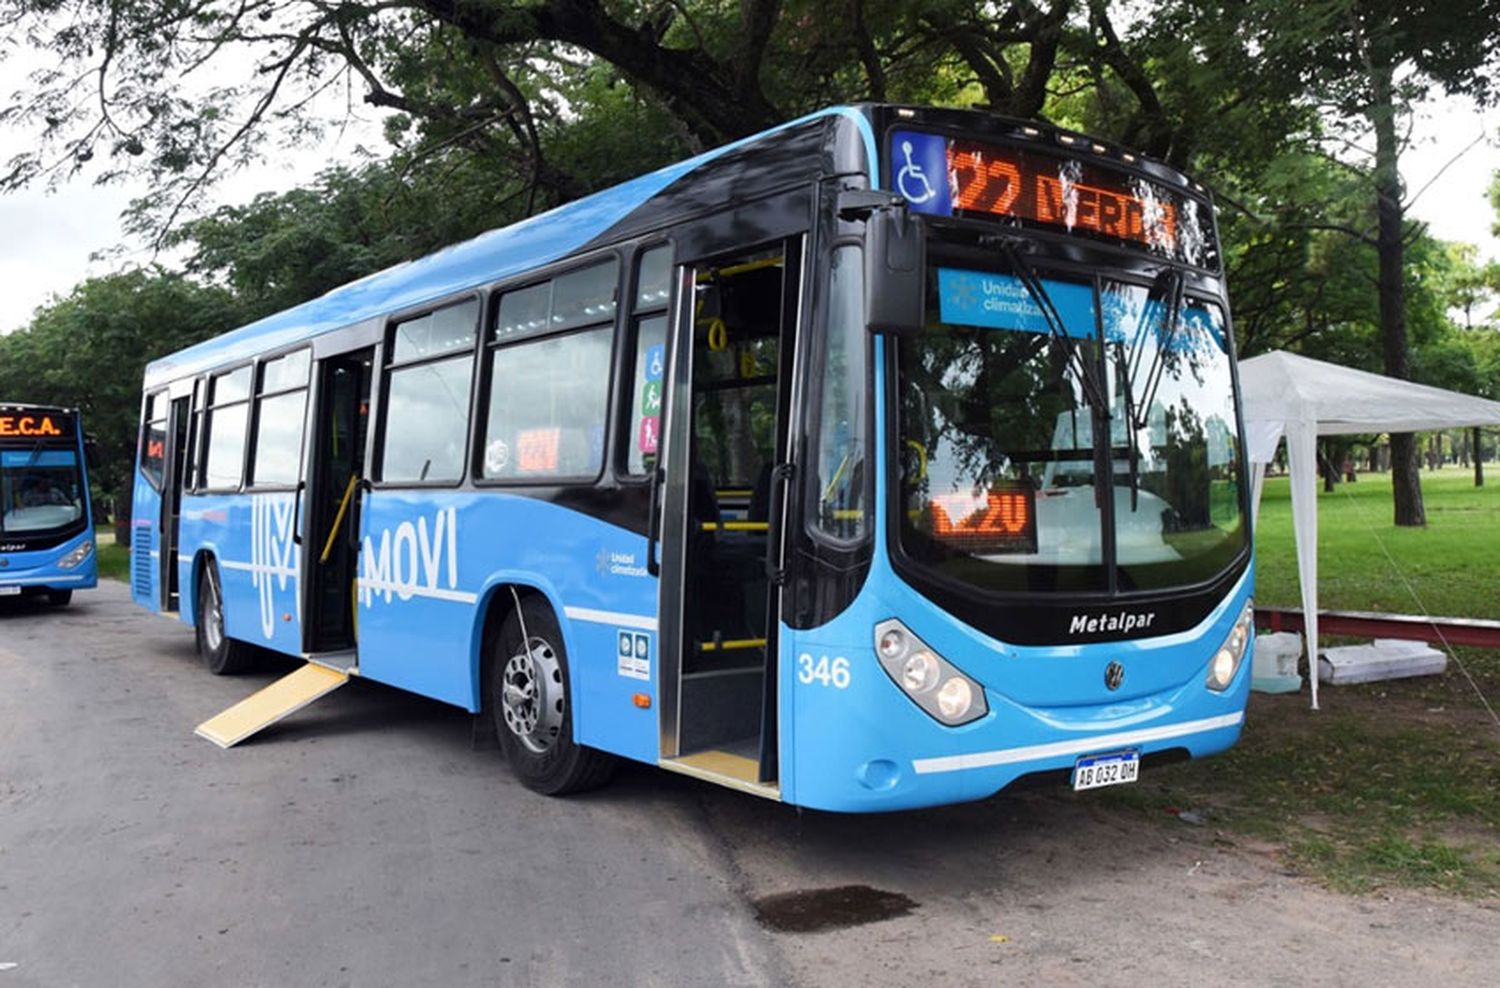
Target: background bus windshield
[1000,485]
[40,490]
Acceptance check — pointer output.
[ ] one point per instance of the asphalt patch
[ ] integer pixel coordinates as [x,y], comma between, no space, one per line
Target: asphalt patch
[813,910]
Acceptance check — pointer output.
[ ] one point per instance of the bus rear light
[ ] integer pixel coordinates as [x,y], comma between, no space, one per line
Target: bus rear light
[78,555]
[1227,659]
[918,670]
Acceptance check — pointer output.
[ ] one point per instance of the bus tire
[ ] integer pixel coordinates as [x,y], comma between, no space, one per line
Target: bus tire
[221,655]
[533,714]
[59,598]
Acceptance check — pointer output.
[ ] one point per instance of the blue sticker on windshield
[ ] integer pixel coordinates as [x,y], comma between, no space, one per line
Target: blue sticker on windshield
[1001,301]
[919,171]
[49,458]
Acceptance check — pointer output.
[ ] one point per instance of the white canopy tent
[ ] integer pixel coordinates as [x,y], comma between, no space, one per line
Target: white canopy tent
[1301,399]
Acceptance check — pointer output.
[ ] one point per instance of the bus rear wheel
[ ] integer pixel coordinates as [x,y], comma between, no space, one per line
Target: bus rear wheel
[528,699]
[59,598]
[222,655]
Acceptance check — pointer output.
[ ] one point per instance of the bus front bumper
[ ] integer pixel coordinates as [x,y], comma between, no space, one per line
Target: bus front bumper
[25,573]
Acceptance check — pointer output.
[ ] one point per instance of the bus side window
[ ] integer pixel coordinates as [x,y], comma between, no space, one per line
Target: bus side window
[226,422]
[550,354]
[840,469]
[426,411]
[280,408]
[154,438]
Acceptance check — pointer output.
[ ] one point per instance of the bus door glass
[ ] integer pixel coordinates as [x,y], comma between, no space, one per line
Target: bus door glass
[738,392]
[331,549]
[175,463]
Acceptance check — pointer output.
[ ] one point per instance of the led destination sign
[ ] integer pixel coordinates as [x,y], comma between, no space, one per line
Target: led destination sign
[955,177]
[33,425]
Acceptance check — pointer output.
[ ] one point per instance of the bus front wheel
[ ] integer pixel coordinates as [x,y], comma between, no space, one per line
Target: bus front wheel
[528,699]
[222,655]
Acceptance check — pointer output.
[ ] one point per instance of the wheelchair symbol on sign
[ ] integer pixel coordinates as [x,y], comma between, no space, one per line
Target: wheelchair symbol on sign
[913,173]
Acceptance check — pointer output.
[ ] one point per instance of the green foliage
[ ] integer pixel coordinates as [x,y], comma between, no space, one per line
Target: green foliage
[89,350]
[114,559]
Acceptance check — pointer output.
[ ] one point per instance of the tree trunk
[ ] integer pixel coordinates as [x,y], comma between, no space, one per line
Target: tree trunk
[1406,478]
[1478,458]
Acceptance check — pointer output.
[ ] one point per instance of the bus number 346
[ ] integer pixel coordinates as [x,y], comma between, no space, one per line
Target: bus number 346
[833,673]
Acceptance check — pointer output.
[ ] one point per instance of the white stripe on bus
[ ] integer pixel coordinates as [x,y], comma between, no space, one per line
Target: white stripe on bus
[290,572]
[1096,742]
[640,621]
[28,581]
[405,590]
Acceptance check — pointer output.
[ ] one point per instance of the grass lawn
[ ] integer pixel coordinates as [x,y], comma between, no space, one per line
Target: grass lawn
[114,560]
[1394,783]
[1453,564]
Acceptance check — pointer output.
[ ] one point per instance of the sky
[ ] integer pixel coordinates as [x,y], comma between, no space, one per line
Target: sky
[52,239]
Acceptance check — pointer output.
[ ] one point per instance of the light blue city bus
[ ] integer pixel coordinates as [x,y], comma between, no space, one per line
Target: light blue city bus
[46,518]
[880,460]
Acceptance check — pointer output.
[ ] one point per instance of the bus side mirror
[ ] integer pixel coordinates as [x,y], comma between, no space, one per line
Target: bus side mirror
[91,452]
[895,272]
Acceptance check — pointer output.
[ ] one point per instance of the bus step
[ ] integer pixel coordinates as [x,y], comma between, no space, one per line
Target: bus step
[725,768]
[260,710]
[343,660]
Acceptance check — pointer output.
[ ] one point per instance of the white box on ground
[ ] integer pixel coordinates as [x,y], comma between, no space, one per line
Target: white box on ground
[1383,658]
[1273,664]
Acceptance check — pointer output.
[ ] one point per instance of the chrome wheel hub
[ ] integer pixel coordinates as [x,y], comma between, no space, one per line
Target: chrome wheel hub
[532,697]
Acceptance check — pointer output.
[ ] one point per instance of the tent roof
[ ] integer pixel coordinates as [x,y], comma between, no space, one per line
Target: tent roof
[1280,388]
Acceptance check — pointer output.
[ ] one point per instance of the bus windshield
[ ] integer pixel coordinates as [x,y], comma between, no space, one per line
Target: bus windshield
[1001,485]
[41,490]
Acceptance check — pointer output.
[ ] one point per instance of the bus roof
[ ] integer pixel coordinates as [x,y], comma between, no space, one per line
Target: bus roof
[488,257]
[21,406]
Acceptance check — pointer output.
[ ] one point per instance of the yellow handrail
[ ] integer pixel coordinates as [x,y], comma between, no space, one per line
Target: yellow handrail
[339,518]
[733,644]
[736,526]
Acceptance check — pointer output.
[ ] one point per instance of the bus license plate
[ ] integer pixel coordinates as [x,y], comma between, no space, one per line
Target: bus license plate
[1113,769]
[9,591]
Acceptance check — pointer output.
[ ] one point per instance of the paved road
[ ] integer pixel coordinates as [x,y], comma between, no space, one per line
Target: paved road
[366,841]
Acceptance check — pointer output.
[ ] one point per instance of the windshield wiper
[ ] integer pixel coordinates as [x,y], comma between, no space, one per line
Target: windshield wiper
[1168,288]
[1093,393]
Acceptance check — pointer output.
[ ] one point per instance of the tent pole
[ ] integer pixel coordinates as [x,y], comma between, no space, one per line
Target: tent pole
[1302,456]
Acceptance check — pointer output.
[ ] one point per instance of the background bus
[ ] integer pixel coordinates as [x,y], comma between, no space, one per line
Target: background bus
[634,478]
[46,520]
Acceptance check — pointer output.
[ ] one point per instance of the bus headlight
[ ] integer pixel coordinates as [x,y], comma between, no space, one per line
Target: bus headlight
[920,672]
[931,681]
[1227,659]
[955,698]
[79,553]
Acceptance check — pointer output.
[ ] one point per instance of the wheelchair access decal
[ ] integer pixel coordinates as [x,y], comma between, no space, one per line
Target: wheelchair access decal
[634,657]
[919,170]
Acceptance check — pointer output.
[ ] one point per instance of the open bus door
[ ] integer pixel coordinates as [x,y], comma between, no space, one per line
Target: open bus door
[175,478]
[331,492]
[335,479]
[727,468]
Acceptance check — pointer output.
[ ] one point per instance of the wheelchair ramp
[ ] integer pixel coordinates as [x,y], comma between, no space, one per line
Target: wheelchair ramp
[260,710]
